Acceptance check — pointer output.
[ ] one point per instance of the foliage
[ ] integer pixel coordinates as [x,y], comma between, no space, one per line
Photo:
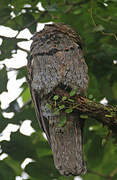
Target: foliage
[96,22]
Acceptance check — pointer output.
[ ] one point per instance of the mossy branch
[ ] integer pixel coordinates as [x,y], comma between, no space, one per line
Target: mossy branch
[107,115]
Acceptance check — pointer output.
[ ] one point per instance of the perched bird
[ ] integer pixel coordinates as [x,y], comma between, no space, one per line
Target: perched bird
[56,61]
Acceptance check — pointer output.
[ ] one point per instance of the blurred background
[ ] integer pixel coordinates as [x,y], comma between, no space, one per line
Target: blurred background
[24,151]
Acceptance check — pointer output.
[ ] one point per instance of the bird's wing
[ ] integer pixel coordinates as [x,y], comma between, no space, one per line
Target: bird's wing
[43,122]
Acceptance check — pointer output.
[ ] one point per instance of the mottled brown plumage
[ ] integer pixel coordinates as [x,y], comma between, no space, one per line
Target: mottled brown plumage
[56,61]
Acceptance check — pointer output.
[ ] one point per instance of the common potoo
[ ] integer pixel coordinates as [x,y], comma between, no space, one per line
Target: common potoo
[56,61]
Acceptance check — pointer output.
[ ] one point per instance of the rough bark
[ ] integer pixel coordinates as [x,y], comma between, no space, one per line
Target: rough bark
[105,114]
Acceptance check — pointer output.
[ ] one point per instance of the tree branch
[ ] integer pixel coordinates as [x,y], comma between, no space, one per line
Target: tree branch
[42,15]
[22,49]
[7,38]
[75,4]
[96,26]
[107,115]
[112,174]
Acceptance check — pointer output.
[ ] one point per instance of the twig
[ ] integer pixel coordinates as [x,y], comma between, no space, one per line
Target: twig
[34,22]
[37,20]
[5,20]
[97,173]
[102,32]
[19,39]
[15,69]
[113,173]
[22,49]
[75,4]
[49,2]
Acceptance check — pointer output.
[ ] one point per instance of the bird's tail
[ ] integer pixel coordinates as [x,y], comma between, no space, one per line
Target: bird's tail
[67,145]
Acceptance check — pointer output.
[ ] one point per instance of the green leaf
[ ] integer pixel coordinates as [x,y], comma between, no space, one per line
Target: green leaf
[99,28]
[4,12]
[3,79]
[108,115]
[56,97]
[42,148]
[71,100]
[19,147]
[19,4]
[3,122]
[4,4]
[15,165]
[10,175]
[64,98]
[56,111]
[47,169]
[26,95]
[48,106]
[114,89]
[103,141]
[95,149]
[76,12]
[62,106]
[22,72]
[68,110]
[90,96]
[83,116]
[72,93]
[8,45]
[27,19]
